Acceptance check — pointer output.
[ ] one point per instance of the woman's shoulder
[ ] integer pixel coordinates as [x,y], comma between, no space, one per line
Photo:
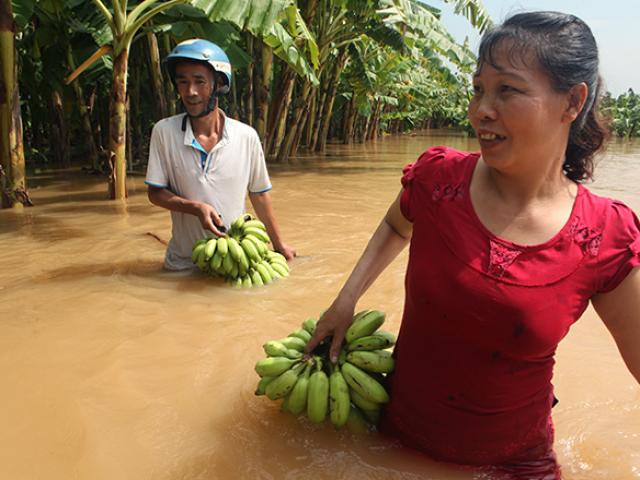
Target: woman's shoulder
[438,162]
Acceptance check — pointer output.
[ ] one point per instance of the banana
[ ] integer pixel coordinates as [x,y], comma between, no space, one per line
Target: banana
[237,223]
[223,246]
[302,334]
[293,343]
[264,273]
[274,275]
[256,278]
[280,269]
[246,281]
[310,325]
[256,224]
[379,361]
[356,422]
[210,248]
[235,271]
[227,264]
[340,403]
[262,384]
[195,253]
[318,394]
[364,325]
[298,395]
[378,341]
[364,384]
[274,366]
[273,348]
[282,385]
[237,282]
[250,249]
[202,241]
[216,262]
[234,249]
[259,244]
[201,261]
[362,403]
[276,256]
[257,232]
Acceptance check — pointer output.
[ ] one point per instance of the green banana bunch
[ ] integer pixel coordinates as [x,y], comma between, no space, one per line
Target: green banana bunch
[340,402]
[318,394]
[349,393]
[242,256]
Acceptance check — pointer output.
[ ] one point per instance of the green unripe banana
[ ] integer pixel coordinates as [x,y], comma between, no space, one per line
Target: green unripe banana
[246,281]
[274,366]
[262,384]
[255,277]
[273,348]
[195,253]
[364,384]
[379,361]
[234,249]
[378,341]
[294,343]
[362,403]
[223,246]
[227,264]
[259,244]
[264,273]
[272,273]
[210,248]
[299,393]
[356,422]
[318,395]
[309,325]
[340,403]
[302,334]
[256,224]
[250,249]
[216,262]
[364,325]
[280,269]
[282,385]
[257,232]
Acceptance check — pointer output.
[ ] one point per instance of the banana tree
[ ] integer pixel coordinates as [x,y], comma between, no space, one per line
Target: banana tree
[12,165]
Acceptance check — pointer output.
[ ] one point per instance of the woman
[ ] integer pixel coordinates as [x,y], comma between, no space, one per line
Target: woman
[507,248]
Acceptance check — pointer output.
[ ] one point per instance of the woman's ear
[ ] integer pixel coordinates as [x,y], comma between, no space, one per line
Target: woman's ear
[577,98]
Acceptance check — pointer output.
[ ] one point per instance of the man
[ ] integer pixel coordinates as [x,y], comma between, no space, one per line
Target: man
[202,163]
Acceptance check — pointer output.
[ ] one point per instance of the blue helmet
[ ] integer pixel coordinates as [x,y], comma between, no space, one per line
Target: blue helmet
[201,51]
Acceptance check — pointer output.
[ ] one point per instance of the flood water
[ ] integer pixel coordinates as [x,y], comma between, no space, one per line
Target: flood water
[113,369]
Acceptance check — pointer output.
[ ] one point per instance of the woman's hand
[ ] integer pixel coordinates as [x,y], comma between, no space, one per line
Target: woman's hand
[333,323]
[288,252]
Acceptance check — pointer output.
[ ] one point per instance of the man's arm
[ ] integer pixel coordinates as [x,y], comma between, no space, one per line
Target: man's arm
[262,205]
[207,215]
[620,312]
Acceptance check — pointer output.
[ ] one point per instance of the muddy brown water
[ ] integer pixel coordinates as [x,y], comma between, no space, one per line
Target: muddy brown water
[113,369]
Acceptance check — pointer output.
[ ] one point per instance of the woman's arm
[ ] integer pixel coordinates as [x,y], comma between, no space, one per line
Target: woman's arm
[262,205]
[620,312]
[390,238]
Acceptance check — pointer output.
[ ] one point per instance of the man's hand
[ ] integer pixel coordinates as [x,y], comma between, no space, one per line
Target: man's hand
[288,252]
[210,219]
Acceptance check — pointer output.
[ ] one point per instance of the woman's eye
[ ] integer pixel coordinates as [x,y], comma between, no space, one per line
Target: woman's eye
[507,88]
[476,89]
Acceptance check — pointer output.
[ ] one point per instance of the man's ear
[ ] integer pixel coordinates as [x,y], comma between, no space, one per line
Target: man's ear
[577,98]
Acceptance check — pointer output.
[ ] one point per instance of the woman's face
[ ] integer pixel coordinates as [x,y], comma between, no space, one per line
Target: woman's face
[519,118]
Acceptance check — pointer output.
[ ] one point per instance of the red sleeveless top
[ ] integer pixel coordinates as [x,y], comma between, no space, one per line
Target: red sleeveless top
[483,316]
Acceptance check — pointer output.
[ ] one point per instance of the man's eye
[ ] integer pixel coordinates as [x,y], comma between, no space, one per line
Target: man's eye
[507,88]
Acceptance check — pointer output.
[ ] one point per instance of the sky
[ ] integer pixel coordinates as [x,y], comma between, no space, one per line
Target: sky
[615,25]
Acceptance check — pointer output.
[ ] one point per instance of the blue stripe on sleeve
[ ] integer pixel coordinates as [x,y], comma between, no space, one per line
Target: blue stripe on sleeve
[264,191]
[156,184]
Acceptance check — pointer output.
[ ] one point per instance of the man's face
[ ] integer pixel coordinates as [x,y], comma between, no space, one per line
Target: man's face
[195,85]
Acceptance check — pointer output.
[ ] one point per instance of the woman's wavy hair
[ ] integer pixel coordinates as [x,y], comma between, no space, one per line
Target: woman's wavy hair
[566,49]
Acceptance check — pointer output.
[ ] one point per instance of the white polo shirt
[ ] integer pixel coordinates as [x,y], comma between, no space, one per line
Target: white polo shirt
[220,177]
